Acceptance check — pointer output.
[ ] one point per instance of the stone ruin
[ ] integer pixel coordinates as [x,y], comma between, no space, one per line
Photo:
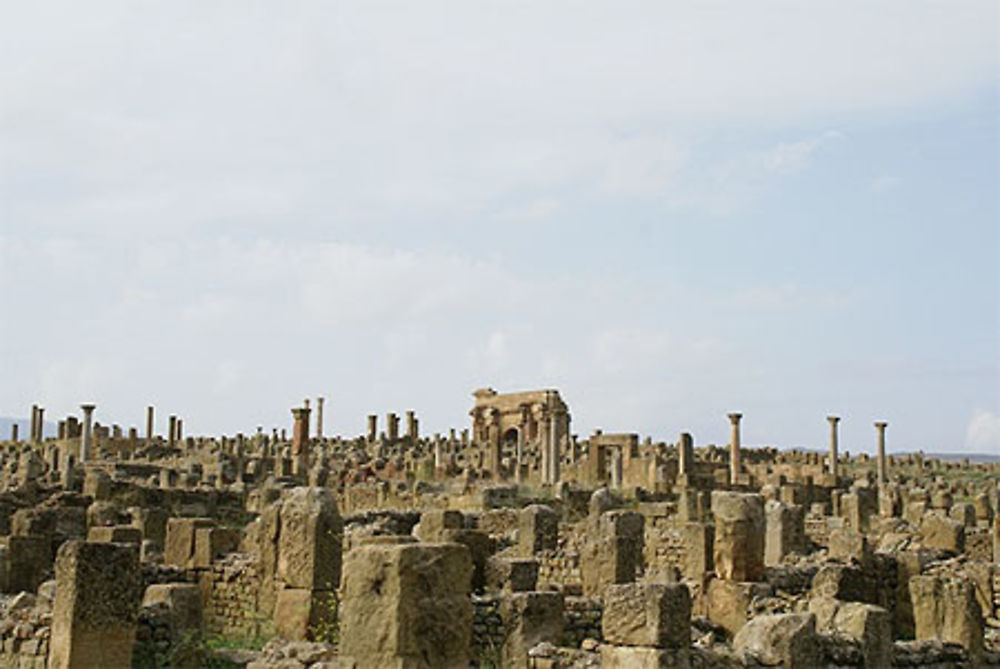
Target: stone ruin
[511,543]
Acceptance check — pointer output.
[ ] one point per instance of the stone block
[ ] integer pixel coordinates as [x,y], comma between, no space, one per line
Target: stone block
[480,547]
[629,657]
[947,610]
[178,548]
[943,533]
[118,534]
[309,541]
[871,627]
[785,532]
[739,535]
[406,605]
[842,582]
[301,614]
[538,529]
[96,605]
[848,545]
[211,543]
[435,521]
[29,558]
[647,614]
[182,599]
[699,545]
[788,640]
[529,618]
[511,574]
[728,601]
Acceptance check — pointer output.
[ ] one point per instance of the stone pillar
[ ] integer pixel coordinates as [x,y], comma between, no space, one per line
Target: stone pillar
[300,441]
[556,457]
[372,428]
[614,555]
[519,456]
[735,466]
[319,417]
[529,618]
[172,431]
[785,531]
[833,446]
[13,432]
[881,473]
[86,436]
[149,423]
[392,427]
[685,455]
[98,592]
[538,530]
[33,429]
[179,437]
[616,468]
[412,431]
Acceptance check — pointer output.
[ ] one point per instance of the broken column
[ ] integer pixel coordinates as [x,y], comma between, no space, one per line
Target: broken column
[86,436]
[685,455]
[172,431]
[406,605]
[300,441]
[319,417]
[98,592]
[372,428]
[833,446]
[392,426]
[735,466]
[149,423]
[412,427]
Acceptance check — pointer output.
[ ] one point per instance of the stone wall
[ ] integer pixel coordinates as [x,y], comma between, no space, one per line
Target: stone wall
[487,627]
[664,545]
[582,620]
[230,591]
[23,646]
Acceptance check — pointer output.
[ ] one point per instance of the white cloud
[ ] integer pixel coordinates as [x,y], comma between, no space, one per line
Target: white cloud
[983,432]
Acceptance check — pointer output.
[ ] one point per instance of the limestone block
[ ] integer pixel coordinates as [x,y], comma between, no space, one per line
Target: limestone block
[434,521]
[120,534]
[182,599]
[511,574]
[964,513]
[947,610]
[406,605]
[615,554]
[178,547]
[309,542]
[529,618]
[785,532]
[739,535]
[152,522]
[849,545]
[871,627]
[538,529]
[699,544]
[28,560]
[943,533]
[787,639]
[301,614]
[842,582]
[727,602]
[629,657]
[96,605]
[211,543]
[97,485]
[647,614]
[480,547]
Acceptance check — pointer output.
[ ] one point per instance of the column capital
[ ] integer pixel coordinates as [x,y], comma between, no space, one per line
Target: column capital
[300,412]
[881,424]
[734,418]
[833,419]
[87,408]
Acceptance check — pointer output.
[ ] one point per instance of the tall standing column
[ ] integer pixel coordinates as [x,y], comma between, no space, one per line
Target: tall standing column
[554,446]
[86,433]
[685,454]
[300,441]
[13,432]
[880,463]
[33,429]
[172,431]
[149,423]
[319,417]
[372,428]
[735,466]
[179,437]
[833,445]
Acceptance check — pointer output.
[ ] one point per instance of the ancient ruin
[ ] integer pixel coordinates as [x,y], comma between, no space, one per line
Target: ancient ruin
[507,543]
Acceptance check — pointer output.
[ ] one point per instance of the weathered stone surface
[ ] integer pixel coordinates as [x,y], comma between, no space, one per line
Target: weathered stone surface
[183,600]
[739,535]
[728,601]
[629,657]
[511,574]
[211,543]
[96,605]
[699,545]
[121,534]
[406,605]
[300,613]
[309,543]
[538,529]
[947,610]
[480,548]
[939,531]
[178,548]
[646,614]
[785,532]
[871,627]
[788,640]
[529,618]
[615,552]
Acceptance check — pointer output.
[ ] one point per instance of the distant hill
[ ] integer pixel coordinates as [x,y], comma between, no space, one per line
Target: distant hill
[23,427]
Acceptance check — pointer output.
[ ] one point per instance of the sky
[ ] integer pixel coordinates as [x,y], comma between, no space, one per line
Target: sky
[668,211]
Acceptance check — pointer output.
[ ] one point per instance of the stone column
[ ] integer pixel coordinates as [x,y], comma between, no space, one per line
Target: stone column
[319,417]
[33,429]
[519,456]
[149,423]
[880,464]
[411,426]
[392,426]
[40,427]
[86,435]
[372,428]
[554,446]
[616,469]
[734,448]
[179,437]
[685,454]
[13,432]
[300,441]
[833,445]
[172,431]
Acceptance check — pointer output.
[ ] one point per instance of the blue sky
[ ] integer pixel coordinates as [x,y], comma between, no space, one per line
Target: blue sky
[669,212]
